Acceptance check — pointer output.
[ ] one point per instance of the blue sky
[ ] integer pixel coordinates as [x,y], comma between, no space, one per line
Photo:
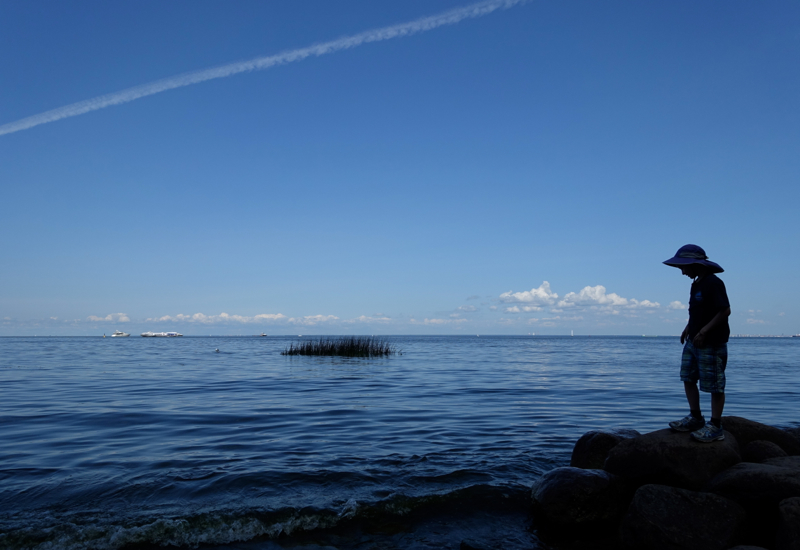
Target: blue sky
[525,171]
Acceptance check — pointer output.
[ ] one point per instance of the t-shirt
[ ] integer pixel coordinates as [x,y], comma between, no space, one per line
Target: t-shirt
[708,297]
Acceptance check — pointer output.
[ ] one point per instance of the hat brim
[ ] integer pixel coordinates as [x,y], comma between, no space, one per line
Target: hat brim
[680,262]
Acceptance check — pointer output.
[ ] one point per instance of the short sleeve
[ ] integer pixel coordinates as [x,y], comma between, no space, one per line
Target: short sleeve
[720,295]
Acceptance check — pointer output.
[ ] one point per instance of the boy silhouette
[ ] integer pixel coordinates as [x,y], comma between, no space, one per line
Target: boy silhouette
[705,339]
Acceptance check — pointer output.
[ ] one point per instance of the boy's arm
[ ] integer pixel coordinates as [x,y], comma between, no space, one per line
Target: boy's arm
[718,319]
[685,333]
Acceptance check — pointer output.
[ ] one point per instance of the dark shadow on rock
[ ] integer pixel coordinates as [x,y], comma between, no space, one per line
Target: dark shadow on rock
[666,518]
[666,457]
[591,450]
[788,537]
[760,450]
[575,498]
[759,489]
[746,431]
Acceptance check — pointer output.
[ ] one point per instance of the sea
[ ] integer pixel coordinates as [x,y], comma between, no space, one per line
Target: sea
[129,443]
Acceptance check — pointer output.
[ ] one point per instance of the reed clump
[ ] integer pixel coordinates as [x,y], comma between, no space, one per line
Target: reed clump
[353,346]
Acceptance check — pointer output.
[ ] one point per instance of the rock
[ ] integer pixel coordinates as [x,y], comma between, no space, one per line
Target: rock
[671,458]
[789,524]
[592,448]
[788,462]
[667,518]
[760,450]
[793,431]
[745,431]
[574,497]
[758,485]
[759,488]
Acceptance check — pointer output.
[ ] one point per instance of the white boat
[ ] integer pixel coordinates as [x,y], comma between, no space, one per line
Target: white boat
[119,333]
[161,334]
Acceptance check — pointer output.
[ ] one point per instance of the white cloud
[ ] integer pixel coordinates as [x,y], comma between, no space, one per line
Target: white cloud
[215,319]
[596,296]
[111,317]
[592,296]
[518,309]
[541,296]
[755,322]
[437,321]
[310,320]
[377,318]
[466,308]
[677,305]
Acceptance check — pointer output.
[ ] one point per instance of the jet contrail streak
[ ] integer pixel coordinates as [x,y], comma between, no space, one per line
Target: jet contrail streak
[260,63]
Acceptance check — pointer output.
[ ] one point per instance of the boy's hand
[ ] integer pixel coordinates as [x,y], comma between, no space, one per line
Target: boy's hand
[698,339]
[684,334]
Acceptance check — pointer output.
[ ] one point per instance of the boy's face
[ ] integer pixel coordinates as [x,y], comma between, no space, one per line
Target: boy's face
[691,270]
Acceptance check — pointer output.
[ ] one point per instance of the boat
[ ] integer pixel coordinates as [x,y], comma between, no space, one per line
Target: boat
[161,334]
[119,333]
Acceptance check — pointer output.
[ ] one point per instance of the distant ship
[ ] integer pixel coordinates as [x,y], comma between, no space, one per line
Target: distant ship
[119,333]
[160,334]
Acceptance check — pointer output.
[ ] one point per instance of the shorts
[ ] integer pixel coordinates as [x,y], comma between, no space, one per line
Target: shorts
[706,364]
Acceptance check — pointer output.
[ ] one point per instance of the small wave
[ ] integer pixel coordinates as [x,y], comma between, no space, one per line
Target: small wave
[217,528]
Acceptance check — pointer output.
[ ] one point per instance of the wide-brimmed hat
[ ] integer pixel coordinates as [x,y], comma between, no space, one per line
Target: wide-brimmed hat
[692,254]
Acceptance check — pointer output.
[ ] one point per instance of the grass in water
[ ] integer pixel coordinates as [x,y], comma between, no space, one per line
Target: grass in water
[353,346]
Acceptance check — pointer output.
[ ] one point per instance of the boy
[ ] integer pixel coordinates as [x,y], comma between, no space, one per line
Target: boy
[705,353]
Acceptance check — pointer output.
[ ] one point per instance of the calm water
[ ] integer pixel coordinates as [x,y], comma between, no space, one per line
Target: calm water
[143,442]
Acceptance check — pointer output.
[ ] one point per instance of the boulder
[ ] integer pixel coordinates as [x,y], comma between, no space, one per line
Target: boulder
[759,485]
[788,462]
[574,497]
[745,431]
[760,450]
[793,431]
[667,457]
[592,448]
[789,524]
[759,489]
[666,518]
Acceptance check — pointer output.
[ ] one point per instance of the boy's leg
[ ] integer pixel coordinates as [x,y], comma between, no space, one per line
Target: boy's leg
[712,361]
[717,404]
[692,396]
[689,376]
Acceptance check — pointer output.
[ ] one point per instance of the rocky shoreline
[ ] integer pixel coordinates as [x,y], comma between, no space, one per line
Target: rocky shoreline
[665,491]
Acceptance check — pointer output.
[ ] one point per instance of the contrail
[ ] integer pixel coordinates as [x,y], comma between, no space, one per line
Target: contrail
[260,63]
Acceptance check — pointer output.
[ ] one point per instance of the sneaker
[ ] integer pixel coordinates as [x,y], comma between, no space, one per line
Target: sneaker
[709,433]
[687,424]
